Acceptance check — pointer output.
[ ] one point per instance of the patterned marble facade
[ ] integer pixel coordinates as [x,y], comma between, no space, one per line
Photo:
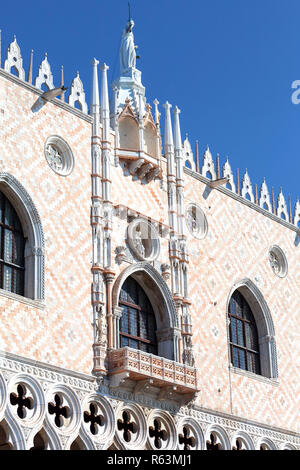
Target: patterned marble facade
[103,198]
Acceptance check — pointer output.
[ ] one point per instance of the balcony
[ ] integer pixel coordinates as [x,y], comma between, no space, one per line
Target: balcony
[127,363]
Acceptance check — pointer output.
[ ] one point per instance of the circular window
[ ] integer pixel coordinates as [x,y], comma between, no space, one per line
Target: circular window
[59,156]
[143,239]
[278,261]
[196,221]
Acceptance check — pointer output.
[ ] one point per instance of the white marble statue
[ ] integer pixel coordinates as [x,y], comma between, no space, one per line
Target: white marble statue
[127,50]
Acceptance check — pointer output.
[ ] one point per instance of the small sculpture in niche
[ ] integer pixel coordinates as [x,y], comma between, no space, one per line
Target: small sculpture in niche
[143,239]
[138,242]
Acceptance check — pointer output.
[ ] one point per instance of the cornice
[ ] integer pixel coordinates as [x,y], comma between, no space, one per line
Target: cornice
[37,91]
[244,201]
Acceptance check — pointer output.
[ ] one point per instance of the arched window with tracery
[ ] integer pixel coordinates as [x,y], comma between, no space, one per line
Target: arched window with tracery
[243,335]
[12,244]
[137,323]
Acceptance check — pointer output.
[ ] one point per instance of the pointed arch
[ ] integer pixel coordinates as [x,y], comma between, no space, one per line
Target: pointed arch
[161,299]
[264,324]
[33,233]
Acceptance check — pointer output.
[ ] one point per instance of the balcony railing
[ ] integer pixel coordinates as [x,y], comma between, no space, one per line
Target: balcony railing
[139,365]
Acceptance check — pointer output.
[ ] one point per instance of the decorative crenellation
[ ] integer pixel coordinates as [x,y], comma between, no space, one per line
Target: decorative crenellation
[41,407]
[44,80]
[244,188]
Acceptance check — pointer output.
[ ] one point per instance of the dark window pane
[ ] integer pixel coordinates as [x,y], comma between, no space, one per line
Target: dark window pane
[133,343]
[133,322]
[233,330]
[124,320]
[235,357]
[124,341]
[18,287]
[138,320]
[240,334]
[143,325]
[18,249]
[242,359]
[9,214]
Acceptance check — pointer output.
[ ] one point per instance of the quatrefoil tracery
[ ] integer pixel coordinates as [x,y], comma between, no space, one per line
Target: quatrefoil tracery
[20,400]
[127,426]
[61,412]
[94,418]
[158,433]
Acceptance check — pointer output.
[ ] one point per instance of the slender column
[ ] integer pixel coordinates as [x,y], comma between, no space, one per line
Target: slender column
[158,136]
[99,320]
[29,78]
[106,163]
[62,96]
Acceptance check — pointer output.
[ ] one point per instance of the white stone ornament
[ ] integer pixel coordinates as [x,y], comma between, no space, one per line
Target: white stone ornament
[297,214]
[77,94]
[264,199]
[208,165]
[227,172]
[14,59]
[143,239]
[278,261]
[45,75]
[281,207]
[196,221]
[188,154]
[247,187]
[59,155]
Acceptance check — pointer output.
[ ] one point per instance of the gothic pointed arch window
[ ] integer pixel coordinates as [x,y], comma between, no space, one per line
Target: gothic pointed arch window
[243,335]
[137,327]
[12,244]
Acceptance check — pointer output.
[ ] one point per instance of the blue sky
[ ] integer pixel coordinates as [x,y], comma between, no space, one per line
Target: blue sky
[228,65]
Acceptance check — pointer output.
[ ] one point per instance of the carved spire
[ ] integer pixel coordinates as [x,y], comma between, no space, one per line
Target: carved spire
[157,113]
[169,143]
[29,77]
[95,88]
[197,157]
[227,172]
[290,211]
[188,153]
[238,181]
[177,132]
[45,75]
[247,187]
[208,165]
[77,94]
[264,198]
[297,214]
[104,98]
[62,95]
[218,166]
[281,206]
[14,59]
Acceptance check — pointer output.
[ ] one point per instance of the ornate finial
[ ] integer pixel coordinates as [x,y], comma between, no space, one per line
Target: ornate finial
[104,67]
[62,96]
[218,166]
[238,181]
[290,211]
[29,78]
[197,157]
[95,61]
